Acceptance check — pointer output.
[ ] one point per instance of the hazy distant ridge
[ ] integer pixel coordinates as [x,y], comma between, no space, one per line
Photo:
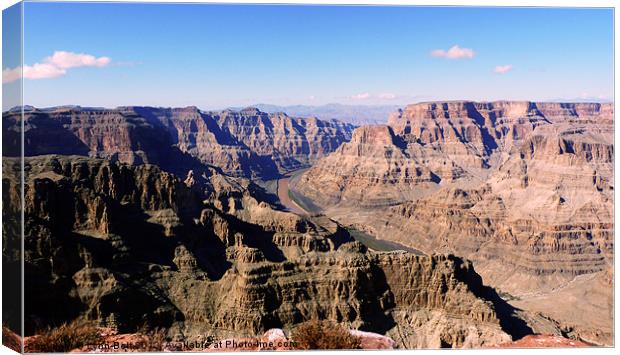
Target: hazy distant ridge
[355,114]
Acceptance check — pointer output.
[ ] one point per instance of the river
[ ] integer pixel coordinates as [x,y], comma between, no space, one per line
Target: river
[284,196]
[370,241]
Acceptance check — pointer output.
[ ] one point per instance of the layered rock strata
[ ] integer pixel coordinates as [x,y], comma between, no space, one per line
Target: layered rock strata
[246,143]
[449,143]
[523,189]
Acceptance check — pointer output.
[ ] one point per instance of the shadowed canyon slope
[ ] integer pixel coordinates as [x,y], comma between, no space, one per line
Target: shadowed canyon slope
[246,143]
[523,189]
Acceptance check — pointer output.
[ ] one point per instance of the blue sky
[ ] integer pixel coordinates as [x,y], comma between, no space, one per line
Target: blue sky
[214,56]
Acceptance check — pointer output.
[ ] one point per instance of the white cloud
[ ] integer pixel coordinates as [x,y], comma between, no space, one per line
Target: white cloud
[455,52]
[362,96]
[42,71]
[387,96]
[33,72]
[53,66]
[66,60]
[503,69]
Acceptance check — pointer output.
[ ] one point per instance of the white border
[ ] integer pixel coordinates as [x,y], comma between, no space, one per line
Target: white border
[489,3]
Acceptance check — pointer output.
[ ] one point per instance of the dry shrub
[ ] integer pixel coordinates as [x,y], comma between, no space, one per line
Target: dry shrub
[67,337]
[323,335]
[154,339]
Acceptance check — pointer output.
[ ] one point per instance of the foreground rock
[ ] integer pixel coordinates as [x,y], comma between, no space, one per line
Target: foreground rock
[544,341]
[11,340]
[272,340]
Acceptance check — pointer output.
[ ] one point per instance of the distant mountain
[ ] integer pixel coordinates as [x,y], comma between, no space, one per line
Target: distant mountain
[355,114]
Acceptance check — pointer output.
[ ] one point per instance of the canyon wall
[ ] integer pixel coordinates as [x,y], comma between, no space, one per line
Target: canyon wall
[523,189]
[246,143]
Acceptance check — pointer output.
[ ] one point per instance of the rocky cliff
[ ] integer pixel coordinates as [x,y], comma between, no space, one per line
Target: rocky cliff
[450,143]
[246,143]
[523,189]
[132,245]
[358,171]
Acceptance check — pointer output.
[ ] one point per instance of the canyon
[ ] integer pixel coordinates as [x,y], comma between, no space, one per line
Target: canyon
[523,189]
[133,245]
[455,224]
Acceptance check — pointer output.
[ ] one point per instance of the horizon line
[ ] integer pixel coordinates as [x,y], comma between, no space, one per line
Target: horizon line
[254,106]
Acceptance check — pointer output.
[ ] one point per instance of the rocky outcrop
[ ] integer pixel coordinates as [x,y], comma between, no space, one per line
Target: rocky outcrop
[199,261]
[358,171]
[246,143]
[373,341]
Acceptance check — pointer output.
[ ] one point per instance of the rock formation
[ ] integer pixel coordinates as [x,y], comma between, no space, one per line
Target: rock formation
[247,143]
[132,245]
[523,189]
[449,143]
[358,171]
